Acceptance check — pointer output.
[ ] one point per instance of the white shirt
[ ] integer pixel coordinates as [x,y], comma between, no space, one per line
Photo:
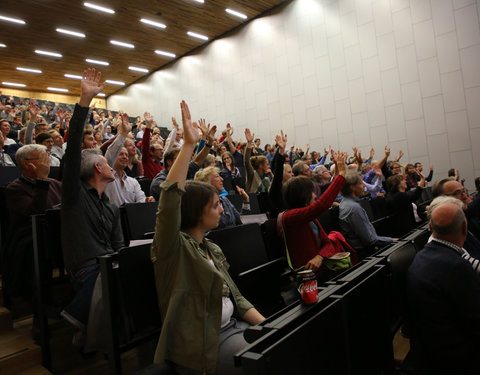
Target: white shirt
[8,142]
[130,192]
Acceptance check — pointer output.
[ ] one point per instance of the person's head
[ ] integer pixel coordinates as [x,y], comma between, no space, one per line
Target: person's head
[179,135]
[54,126]
[157,151]
[57,138]
[410,169]
[451,172]
[448,223]
[88,140]
[477,183]
[5,128]
[267,148]
[396,183]
[122,160]
[321,174]
[209,161]
[287,173]
[418,166]
[300,168]
[44,139]
[98,136]
[108,129]
[307,158]
[298,192]
[130,146]
[201,207]
[396,168]
[211,176]
[27,158]
[21,135]
[41,127]
[438,201]
[227,160]
[95,166]
[353,186]
[17,121]
[437,187]
[170,157]
[455,189]
[260,164]
[257,142]
[221,149]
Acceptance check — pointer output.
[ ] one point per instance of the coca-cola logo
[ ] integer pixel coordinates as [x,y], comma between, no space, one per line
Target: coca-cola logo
[310,287]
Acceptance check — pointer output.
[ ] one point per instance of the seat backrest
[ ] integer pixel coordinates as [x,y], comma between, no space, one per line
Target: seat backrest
[144,184]
[138,219]
[236,200]
[255,204]
[273,242]
[365,204]
[379,208]
[329,220]
[8,174]
[421,239]
[242,245]
[137,285]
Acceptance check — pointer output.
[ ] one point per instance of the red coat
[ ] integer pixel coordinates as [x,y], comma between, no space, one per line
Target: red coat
[303,243]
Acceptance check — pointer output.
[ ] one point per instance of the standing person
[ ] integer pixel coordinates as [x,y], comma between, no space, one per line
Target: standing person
[90,222]
[197,296]
[152,163]
[257,168]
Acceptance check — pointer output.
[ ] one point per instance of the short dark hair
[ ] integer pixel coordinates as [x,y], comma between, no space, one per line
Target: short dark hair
[197,196]
[393,182]
[257,161]
[297,192]
[42,137]
[351,179]
[417,164]
[170,155]
[451,172]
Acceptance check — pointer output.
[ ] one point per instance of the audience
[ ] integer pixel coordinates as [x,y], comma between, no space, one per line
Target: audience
[257,168]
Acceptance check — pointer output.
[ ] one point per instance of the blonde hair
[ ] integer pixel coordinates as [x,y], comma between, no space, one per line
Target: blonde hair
[204,175]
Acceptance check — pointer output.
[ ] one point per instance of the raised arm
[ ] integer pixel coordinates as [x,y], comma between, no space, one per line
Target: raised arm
[146,158]
[248,153]
[115,148]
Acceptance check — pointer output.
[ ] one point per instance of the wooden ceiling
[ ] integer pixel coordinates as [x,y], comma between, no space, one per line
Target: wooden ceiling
[43,17]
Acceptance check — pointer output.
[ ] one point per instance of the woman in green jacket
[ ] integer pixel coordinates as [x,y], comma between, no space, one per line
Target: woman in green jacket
[198,300]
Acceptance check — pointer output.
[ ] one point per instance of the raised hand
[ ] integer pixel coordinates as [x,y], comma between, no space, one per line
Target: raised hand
[431,167]
[148,119]
[281,141]
[190,130]
[210,135]
[34,110]
[229,130]
[326,151]
[124,127]
[339,159]
[204,128]
[249,136]
[372,152]
[90,86]
[174,123]
[387,151]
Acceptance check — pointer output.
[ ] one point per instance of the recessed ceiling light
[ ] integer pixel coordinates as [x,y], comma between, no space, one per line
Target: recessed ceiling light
[119,83]
[153,23]
[163,53]
[122,44]
[57,89]
[14,20]
[74,76]
[137,69]
[3,45]
[199,1]
[101,94]
[98,62]
[199,36]
[99,7]
[236,14]
[14,84]
[73,33]
[47,53]
[28,70]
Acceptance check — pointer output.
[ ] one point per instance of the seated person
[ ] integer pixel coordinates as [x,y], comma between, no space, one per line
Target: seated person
[257,168]
[47,140]
[196,295]
[134,166]
[230,216]
[354,222]
[401,204]
[229,170]
[443,292]
[31,194]
[306,240]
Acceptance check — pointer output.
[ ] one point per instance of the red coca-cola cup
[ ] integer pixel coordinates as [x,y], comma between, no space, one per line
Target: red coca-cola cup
[308,286]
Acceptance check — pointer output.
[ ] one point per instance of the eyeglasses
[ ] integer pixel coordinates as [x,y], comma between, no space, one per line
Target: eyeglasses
[457,193]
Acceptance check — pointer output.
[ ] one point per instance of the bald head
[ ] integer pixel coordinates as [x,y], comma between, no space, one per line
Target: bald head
[448,223]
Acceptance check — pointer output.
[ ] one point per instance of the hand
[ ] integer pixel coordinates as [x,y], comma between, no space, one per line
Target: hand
[339,160]
[33,109]
[244,194]
[190,130]
[359,157]
[431,167]
[149,199]
[90,87]
[249,136]
[281,141]
[308,147]
[210,135]
[395,239]
[148,119]
[326,151]
[229,130]
[124,127]
[314,263]
[387,151]
[203,128]
[292,147]
[174,123]
[372,152]
[269,172]
[2,140]
[42,168]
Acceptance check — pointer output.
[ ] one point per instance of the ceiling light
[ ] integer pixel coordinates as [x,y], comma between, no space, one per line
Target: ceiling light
[199,1]
[98,62]
[115,82]
[199,36]
[98,7]
[14,84]
[74,76]
[136,69]
[28,70]
[163,53]
[236,14]
[122,44]
[57,89]
[3,45]
[74,33]
[14,20]
[46,53]
[101,94]
[153,23]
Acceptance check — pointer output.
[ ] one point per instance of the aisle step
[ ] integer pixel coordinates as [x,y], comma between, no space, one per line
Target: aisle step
[35,370]
[6,322]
